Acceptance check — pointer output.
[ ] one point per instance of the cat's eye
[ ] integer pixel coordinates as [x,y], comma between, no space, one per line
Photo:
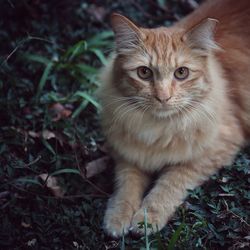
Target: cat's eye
[181,73]
[144,73]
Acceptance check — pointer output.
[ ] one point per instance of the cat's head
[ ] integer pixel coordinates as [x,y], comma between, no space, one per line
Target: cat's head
[162,70]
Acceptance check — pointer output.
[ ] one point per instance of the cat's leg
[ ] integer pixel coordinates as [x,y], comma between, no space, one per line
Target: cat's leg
[169,192]
[130,186]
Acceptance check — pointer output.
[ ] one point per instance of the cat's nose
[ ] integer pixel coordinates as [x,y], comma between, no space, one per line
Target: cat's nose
[163,99]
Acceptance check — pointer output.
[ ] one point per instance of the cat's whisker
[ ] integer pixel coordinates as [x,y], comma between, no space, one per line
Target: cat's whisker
[197,108]
[111,103]
[123,115]
[122,99]
[141,106]
[115,117]
[205,109]
[193,110]
[119,110]
[184,112]
[145,108]
[206,114]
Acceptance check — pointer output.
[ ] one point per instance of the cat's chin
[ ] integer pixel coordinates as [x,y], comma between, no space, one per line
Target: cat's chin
[161,113]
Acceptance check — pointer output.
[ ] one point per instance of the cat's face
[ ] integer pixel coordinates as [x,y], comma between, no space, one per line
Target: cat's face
[163,71]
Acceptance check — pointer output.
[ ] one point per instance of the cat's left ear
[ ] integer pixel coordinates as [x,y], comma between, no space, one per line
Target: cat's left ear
[127,35]
[201,36]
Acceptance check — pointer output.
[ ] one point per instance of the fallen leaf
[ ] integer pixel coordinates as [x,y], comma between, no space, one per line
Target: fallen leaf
[52,185]
[76,244]
[46,134]
[224,179]
[96,167]
[33,134]
[32,242]
[25,225]
[59,112]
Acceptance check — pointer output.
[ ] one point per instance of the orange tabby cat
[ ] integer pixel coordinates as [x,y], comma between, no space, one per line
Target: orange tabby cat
[175,102]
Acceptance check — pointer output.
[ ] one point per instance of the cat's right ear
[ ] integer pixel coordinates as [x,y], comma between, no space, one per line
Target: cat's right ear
[201,36]
[127,34]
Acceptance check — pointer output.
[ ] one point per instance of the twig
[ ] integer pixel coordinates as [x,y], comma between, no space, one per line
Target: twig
[87,180]
[236,215]
[63,197]
[33,162]
[29,38]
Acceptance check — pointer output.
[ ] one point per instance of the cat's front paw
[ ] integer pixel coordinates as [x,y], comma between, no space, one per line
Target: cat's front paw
[117,219]
[156,219]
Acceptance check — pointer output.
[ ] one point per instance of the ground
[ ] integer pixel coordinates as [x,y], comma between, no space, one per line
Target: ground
[51,143]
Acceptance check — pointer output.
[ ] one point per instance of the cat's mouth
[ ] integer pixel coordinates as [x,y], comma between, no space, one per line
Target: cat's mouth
[163,112]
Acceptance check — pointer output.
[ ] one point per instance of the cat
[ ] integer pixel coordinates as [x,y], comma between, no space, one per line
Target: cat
[175,102]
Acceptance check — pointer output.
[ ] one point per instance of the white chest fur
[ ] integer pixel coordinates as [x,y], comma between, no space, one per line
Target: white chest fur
[151,144]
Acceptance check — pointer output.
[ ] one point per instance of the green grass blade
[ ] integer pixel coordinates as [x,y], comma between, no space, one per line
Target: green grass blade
[175,237]
[101,39]
[89,98]
[86,68]
[66,171]
[81,107]
[123,241]
[162,3]
[160,245]
[146,229]
[76,50]
[48,146]
[29,181]
[43,79]
[35,58]
[100,56]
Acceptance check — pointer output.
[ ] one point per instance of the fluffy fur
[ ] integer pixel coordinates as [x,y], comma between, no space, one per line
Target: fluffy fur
[182,130]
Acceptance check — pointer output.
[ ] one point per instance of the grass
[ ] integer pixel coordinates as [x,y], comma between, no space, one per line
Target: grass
[50,130]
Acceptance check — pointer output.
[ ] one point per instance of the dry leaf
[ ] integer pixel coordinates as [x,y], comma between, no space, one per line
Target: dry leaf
[46,134]
[224,179]
[25,225]
[59,111]
[52,185]
[33,134]
[32,242]
[95,167]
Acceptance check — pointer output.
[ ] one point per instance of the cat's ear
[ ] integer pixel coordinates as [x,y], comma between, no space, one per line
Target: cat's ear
[201,36]
[127,34]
